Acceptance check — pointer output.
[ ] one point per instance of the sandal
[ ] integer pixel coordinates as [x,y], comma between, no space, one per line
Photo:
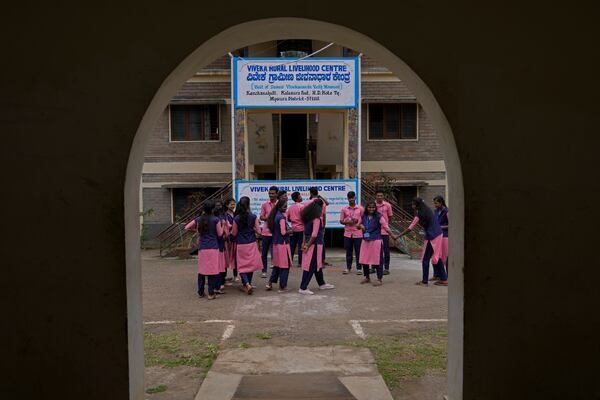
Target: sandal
[421,283]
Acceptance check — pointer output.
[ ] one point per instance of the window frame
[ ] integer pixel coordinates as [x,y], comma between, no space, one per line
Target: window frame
[219,140]
[415,139]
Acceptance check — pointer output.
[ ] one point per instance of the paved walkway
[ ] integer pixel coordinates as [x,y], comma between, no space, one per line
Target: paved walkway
[294,373]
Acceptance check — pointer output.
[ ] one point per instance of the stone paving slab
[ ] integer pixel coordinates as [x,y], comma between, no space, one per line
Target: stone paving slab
[294,372]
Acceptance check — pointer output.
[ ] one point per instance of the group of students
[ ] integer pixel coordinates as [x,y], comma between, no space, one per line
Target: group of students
[228,240]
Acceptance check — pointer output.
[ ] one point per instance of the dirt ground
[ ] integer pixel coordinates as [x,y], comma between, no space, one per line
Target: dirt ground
[172,307]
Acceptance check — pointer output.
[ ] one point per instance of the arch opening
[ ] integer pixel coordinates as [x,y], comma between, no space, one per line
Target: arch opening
[290,28]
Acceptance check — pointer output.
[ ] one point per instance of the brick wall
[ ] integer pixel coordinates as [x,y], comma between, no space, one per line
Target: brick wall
[197,177]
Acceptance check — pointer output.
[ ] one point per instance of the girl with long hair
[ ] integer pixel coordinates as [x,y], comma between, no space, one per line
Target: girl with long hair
[210,228]
[312,259]
[432,246]
[281,257]
[372,223]
[441,212]
[219,213]
[246,226]
[229,240]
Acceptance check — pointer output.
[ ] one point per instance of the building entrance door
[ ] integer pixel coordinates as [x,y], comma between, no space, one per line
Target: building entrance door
[293,135]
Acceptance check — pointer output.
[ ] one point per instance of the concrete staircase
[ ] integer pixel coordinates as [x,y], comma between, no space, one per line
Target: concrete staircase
[295,168]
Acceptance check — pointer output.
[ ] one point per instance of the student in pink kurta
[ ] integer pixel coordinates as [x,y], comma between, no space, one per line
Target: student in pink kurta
[265,210]
[312,259]
[441,212]
[209,260]
[314,194]
[432,246]
[385,209]
[230,241]
[281,258]
[350,217]
[293,215]
[246,226]
[371,248]
[219,213]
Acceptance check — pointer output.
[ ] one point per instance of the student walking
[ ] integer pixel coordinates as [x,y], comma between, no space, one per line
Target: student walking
[441,212]
[432,247]
[246,226]
[371,249]
[293,214]
[350,217]
[281,257]
[209,258]
[385,209]
[265,210]
[312,259]
[314,194]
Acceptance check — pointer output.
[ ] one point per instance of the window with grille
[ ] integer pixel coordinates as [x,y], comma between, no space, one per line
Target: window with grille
[393,121]
[194,123]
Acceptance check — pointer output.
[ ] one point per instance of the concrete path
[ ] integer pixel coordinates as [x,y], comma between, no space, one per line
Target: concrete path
[294,372]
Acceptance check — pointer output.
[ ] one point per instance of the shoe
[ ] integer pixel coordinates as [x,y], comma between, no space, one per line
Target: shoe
[219,291]
[201,295]
[346,272]
[269,287]
[228,283]
[326,286]
[229,279]
[249,289]
[378,282]
[366,280]
[359,272]
[263,275]
[285,290]
[236,279]
[441,283]
[305,291]
[211,297]
[420,283]
[435,278]
[386,272]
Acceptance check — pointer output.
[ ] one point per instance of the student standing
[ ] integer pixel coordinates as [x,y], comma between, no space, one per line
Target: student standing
[385,209]
[432,246]
[281,257]
[293,214]
[219,213]
[350,217]
[371,249]
[247,257]
[265,210]
[312,260]
[209,228]
[441,212]
[230,240]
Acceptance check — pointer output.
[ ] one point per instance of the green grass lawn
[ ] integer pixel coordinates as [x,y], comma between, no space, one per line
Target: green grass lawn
[170,349]
[409,355]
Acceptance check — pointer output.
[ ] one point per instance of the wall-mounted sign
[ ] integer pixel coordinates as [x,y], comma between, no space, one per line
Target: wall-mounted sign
[335,191]
[295,83]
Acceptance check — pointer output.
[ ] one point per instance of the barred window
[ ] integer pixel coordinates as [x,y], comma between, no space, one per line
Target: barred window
[393,121]
[194,123]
